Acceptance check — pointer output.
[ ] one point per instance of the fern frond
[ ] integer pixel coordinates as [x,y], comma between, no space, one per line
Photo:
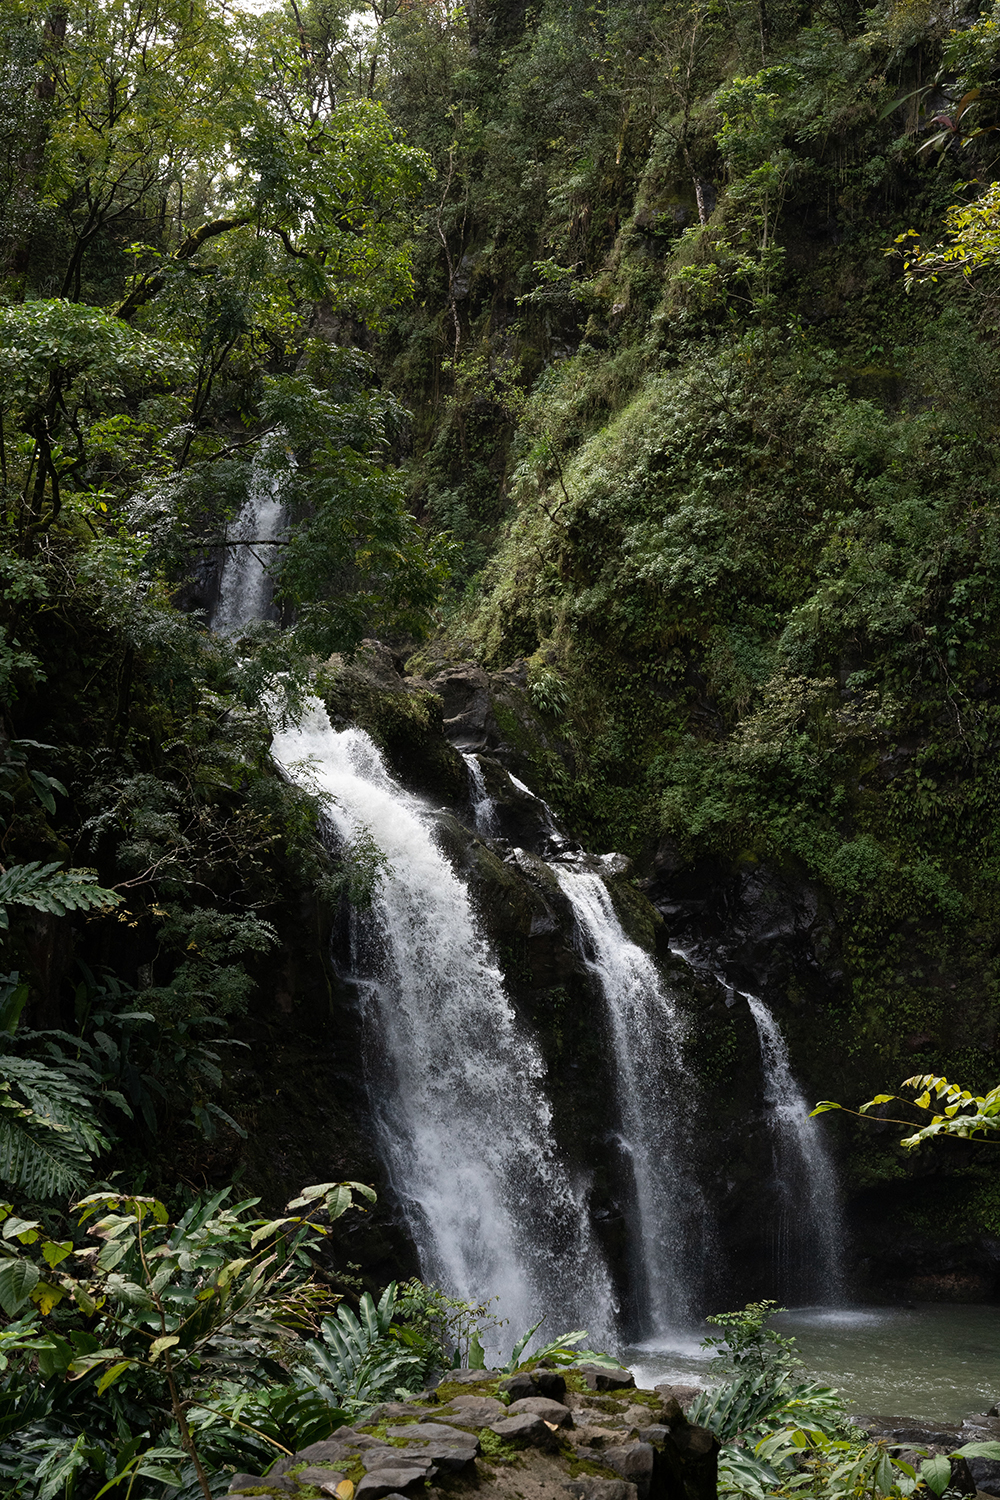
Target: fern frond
[47,888]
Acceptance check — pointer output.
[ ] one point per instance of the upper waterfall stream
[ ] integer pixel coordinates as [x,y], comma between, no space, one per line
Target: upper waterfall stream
[246,590]
[456,1083]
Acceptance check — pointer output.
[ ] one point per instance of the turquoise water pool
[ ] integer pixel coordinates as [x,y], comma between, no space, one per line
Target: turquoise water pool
[934,1362]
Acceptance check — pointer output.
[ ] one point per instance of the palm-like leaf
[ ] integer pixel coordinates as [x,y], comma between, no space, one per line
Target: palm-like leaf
[356,1361]
[48,1133]
[752,1403]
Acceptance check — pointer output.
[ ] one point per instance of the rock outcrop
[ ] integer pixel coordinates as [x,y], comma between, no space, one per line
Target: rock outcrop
[600,1439]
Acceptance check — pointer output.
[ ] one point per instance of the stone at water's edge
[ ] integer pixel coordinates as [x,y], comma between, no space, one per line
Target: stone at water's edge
[969,1476]
[607,1442]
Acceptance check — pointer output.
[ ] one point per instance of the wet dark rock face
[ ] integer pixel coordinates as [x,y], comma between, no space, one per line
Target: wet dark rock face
[763,930]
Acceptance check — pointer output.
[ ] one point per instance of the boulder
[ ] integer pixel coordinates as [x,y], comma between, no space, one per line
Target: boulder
[320,1477]
[450,1449]
[905,1430]
[541,1406]
[399,1458]
[280,1466]
[682,1394]
[517,1387]
[474,1411]
[550,1383]
[391,1411]
[524,1427]
[961,1481]
[431,1432]
[275,1484]
[980,1430]
[687,1456]
[986,1474]
[331,1450]
[386,1482]
[601,1379]
[635,1463]
[467,706]
[242,1482]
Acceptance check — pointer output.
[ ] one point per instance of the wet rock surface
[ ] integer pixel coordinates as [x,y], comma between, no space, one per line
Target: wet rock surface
[474,1434]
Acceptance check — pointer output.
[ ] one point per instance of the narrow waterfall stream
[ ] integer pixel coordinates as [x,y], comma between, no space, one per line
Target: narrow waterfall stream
[246,590]
[456,1083]
[484,808]
[654,1094]
[809,1233]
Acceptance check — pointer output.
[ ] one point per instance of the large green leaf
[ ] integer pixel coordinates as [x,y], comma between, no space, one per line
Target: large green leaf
[48,1130]
[18,1278]
[981,1450]
[936,1472]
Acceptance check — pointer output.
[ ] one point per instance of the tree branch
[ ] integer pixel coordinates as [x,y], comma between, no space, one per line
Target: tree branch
[149,287]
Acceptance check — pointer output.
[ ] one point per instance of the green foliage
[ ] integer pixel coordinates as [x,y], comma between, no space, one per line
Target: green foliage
[747,1340]
[356,1361]
[782,1435]
[49,1133]
[560,1352]
[973,243]
[47,888]
[181,1324]
[963,1115]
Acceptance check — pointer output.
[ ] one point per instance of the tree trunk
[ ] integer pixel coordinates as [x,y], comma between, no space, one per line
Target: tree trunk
[50,45]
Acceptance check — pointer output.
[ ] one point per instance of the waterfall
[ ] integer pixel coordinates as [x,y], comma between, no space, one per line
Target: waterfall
[810,1231]
[655,1094]
[246,590]
[484,808]
[456,1083]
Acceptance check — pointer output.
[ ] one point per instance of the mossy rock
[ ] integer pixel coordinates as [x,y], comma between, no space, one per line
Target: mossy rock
[405,722]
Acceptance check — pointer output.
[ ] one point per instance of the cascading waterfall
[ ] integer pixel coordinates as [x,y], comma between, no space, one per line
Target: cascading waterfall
[456,1083]
[654,1089]
[484,808]
[810,1229]
[246,590]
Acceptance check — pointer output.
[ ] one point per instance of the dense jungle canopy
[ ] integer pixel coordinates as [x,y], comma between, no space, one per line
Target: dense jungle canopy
[653,344]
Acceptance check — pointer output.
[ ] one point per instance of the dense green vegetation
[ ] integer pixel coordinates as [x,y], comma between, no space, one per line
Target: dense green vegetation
[744,524]
[715,436]
[184,202]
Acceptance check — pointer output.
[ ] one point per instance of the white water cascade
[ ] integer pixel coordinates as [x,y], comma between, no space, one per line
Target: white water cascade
[484,808]
[810,1230]
[654,1091]
[246,590]
[456,1083]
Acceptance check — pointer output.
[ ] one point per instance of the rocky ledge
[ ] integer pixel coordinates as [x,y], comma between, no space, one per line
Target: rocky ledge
[911,1440]
[586,1433]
